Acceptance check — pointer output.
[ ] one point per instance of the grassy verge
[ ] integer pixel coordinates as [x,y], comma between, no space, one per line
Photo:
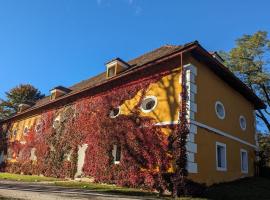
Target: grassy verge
[25,178]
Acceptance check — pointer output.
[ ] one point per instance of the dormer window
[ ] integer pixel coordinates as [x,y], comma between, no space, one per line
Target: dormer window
[115,67]
[111,71]
[58,92]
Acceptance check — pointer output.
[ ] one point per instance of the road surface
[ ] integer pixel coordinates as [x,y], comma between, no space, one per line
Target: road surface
[36,191]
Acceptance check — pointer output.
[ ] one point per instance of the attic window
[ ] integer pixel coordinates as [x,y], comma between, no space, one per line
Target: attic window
[58,92]
[115,67]
[111,71]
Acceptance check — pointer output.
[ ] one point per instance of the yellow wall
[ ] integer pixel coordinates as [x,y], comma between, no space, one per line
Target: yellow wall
[19,126]
[206,159]
[167,91]
[210,88]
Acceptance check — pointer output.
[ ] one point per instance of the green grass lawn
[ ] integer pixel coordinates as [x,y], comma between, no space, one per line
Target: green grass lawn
[246,189]
[26,178]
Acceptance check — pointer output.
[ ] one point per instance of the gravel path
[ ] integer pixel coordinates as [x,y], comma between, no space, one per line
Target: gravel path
[36,191]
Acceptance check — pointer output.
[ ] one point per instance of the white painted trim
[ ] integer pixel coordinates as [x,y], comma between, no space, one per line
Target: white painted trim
[191,87]
[218,115]
[192,68]
[191,147]
[119,107]
[243,151]
[192,167]
[113,63]
[193,128]
[225,161]
[190,157]
[191,137]
[192,106]
[149,97]
[222,133]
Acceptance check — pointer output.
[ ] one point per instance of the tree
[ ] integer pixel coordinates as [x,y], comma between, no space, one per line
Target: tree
[24,93]
[249,60]
[264,152]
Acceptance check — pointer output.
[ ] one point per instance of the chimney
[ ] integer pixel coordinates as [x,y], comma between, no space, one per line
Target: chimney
[116,66]
[58,92]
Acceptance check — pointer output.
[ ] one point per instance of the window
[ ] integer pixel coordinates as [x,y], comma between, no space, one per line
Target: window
[114,112]
[38,127]
[57,122]
[244,161]
[14,133]
[111,71]
[25,131]
[221,160]
[149,104]
[116,153]
[220,110]
[243,122]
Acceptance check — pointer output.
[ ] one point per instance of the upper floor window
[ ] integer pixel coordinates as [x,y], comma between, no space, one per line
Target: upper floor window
[221,159]
[14,133]
[243,122]
[220,110]
[149,104]
[25,131]
[244,161]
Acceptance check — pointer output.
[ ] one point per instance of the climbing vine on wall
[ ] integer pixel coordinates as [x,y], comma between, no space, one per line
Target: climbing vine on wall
[51,145]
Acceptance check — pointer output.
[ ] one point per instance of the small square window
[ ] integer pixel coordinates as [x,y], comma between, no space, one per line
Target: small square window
[111,71]
[221,160]
[244,161]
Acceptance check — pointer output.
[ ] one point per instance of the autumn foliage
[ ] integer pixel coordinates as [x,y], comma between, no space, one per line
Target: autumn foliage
[147,154]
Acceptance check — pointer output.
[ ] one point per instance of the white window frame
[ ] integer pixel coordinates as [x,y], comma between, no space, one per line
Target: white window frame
[114,153]
[245,127]
[119,107]
[243,151]
[218,115]
[225,161]
[148,97]
[109,68]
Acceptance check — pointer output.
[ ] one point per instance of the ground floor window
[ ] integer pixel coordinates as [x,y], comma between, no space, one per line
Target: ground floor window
[221,160]
[244,161]
[116,153]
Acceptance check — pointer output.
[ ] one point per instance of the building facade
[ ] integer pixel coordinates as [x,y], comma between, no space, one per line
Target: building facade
[65,128]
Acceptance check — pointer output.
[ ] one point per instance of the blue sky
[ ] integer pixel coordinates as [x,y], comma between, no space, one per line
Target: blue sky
[60,42]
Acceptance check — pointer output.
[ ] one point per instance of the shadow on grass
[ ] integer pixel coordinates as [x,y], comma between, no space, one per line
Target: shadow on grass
[245,189]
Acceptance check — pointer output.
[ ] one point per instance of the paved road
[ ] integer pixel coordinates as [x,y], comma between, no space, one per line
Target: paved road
[37,191]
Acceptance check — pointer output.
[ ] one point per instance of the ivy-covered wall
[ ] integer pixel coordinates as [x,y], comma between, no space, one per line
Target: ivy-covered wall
[51,143]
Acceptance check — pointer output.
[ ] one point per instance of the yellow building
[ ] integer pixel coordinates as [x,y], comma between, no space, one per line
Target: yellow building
[222,142]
